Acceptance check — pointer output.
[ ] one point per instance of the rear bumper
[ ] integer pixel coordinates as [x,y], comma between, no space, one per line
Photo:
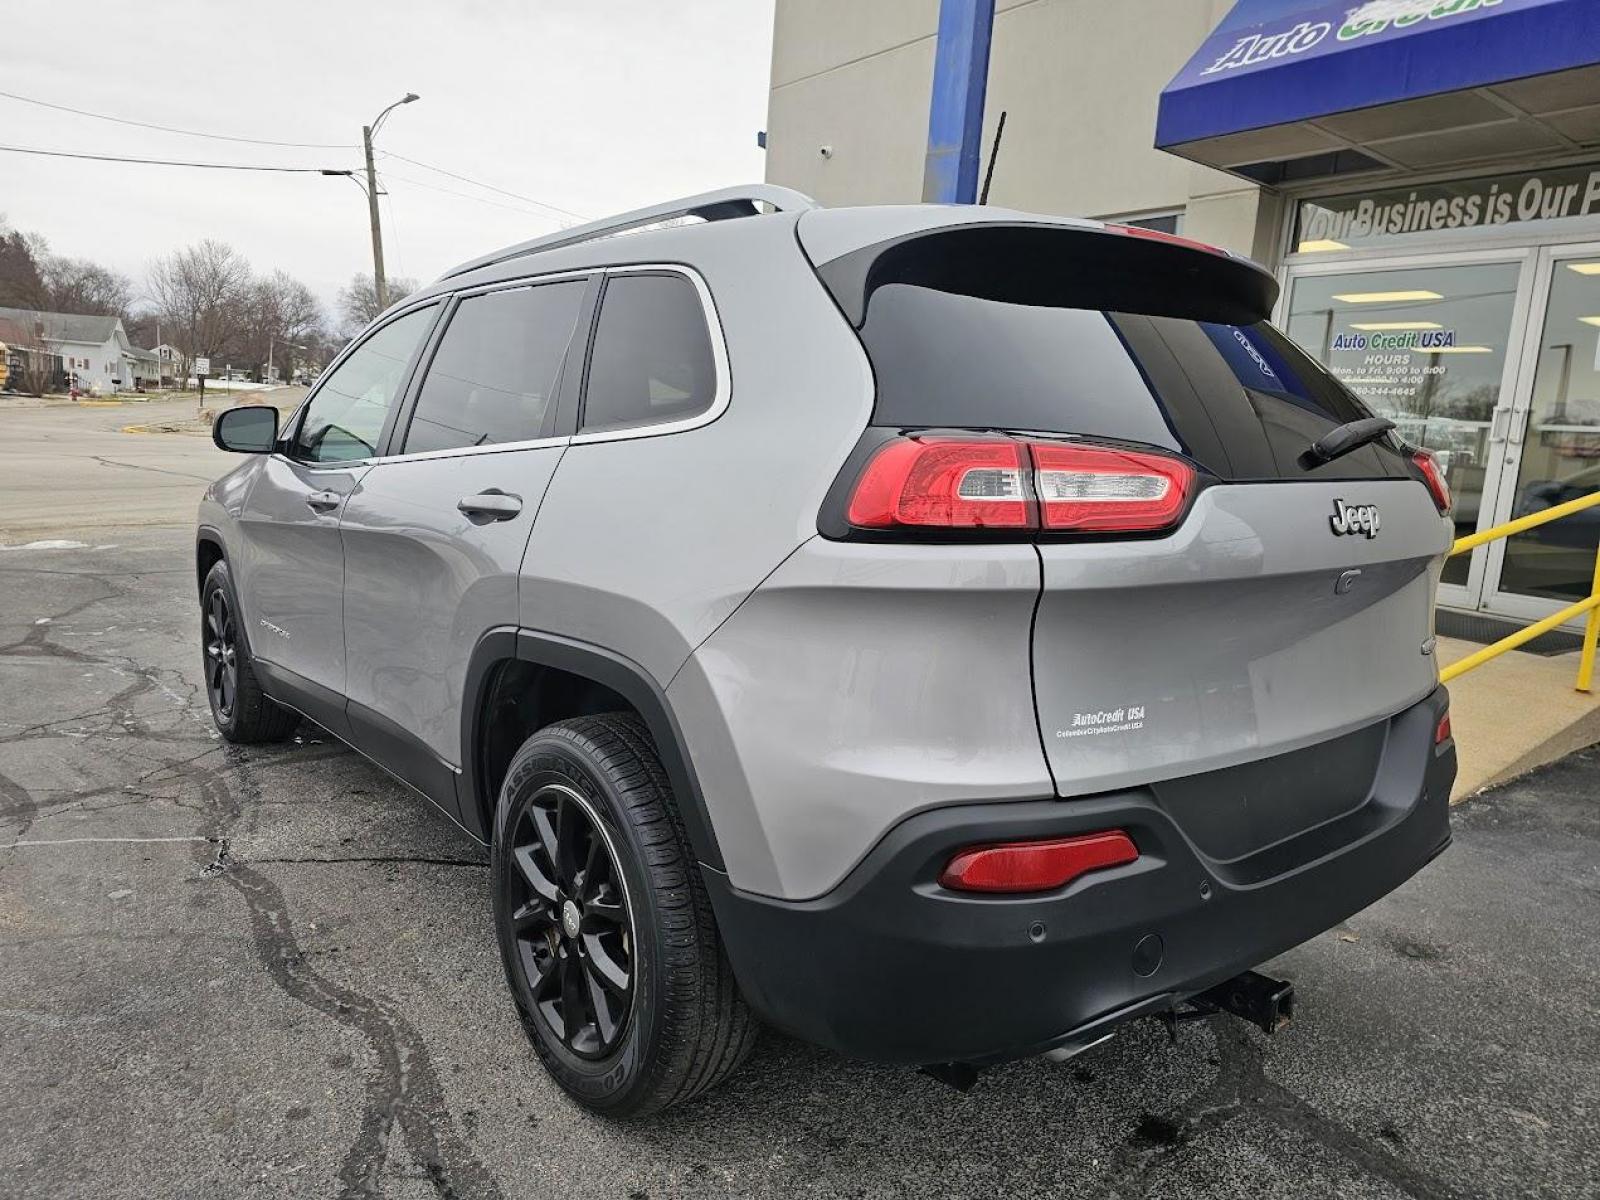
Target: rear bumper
[891,967]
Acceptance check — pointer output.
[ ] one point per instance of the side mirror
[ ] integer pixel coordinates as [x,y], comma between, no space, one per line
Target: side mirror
[252,429]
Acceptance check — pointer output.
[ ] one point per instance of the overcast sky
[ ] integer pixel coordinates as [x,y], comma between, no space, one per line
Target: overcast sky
[594,106]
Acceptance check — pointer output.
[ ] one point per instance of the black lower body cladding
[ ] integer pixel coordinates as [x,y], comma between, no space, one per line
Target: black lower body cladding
[891,967]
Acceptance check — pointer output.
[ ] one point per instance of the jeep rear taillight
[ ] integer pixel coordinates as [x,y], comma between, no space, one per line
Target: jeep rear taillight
[1100,489]
[1003,483]
[1433,476]
[945,483]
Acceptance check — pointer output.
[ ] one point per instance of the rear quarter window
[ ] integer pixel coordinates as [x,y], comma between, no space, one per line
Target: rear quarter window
[652,361]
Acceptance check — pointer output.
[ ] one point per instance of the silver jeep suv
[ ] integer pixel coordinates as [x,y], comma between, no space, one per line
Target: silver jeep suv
[940,633]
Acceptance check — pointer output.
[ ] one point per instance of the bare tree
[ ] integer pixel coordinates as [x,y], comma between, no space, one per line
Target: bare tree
[358,303]
[203,293]
[38,364]
[284,322]
[76,285]
[143,327]
[20,284]
[32,277]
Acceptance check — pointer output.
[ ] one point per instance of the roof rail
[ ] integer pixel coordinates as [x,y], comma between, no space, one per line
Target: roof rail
[720,205]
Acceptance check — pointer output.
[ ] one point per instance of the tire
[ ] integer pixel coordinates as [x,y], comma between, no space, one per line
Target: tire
[682,1027]
[239,707]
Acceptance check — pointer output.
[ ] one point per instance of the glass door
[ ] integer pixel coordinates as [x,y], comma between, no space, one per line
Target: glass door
[1434,344]
[1553,441]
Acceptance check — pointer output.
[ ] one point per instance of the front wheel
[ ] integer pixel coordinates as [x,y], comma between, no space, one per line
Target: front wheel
[604,925]
[241,710]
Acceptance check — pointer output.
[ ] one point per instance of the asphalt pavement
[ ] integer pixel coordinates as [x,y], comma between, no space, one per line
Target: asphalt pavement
[232,972]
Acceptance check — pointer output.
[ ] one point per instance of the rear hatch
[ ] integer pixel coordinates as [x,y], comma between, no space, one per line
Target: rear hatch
[1288,604]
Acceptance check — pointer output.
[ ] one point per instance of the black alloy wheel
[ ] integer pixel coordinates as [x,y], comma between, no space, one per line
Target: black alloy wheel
[242,711]
[571,920]
[222,655]
[610,948]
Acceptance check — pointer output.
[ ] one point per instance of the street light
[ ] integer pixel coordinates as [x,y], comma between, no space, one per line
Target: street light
[379,284]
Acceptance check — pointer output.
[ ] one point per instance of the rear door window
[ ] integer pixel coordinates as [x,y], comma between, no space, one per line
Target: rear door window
[652,360]
[495,374]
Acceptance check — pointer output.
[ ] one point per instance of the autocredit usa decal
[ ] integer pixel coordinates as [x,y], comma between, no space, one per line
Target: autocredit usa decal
[1123,719]
[1334,27]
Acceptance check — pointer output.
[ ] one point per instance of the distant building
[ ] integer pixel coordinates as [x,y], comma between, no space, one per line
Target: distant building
[95,350]
[146,366]
[172,365]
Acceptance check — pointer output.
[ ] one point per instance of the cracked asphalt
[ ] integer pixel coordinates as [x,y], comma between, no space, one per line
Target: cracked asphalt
[269,971]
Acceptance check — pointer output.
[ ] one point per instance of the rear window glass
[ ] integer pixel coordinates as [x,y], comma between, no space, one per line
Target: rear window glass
[1240,399]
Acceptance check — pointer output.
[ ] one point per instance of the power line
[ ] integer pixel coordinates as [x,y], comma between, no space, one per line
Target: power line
[171,162]
[220,137]
[433,187]
[565,212]
[394,226]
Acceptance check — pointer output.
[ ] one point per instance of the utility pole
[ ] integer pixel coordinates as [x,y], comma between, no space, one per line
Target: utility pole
[380,285]
[272,341]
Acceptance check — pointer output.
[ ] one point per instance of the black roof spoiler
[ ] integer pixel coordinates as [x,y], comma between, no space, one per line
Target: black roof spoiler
[1115,268]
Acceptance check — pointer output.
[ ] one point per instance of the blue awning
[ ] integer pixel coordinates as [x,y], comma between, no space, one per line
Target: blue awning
[1285,65]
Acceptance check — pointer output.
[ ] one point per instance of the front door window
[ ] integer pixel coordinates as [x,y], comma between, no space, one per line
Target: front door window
[345,419]
[1425,347]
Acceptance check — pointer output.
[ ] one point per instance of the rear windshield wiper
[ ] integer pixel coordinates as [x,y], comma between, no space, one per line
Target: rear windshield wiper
[1336,443]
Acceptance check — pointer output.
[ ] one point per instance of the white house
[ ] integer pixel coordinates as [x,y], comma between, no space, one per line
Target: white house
[94,350]
[146,367]
[172,363]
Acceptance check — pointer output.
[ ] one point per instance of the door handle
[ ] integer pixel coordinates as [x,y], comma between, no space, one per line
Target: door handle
[324,501]
[1497,430]
[1519,426]
[491,505]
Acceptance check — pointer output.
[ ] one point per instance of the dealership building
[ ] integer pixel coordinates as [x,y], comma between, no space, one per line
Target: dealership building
[1422,175]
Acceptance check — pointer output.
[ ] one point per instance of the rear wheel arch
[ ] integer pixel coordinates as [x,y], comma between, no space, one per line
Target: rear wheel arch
[208,552]
[520,681]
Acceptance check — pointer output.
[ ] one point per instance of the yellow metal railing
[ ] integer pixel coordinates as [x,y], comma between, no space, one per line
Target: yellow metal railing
[1590,605]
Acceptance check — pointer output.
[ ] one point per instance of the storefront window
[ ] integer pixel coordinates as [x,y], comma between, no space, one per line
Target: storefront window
[1561,451]
[1425,347]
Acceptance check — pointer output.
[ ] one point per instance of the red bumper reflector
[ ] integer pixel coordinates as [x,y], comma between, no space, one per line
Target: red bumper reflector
[1036,866]
[1441,732]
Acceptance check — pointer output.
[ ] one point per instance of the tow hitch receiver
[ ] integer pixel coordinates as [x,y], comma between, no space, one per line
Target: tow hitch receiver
[1268,1004]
